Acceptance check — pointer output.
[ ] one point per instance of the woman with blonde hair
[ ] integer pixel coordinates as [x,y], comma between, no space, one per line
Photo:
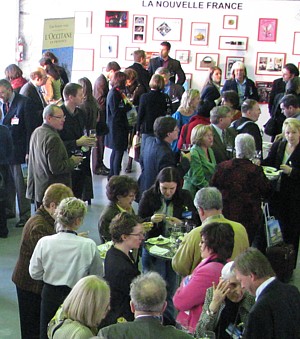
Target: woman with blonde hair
[203,161]
[284,204]
[60,260]
[82,311]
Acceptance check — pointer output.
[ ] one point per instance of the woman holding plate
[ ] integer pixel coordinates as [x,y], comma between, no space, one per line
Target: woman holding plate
[165,203]
[284,205]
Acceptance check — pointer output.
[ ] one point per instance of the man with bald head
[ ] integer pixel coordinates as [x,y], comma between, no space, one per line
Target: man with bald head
[48,159]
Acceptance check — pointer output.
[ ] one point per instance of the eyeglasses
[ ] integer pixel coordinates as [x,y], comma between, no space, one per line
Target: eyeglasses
[56,117]
[140,235]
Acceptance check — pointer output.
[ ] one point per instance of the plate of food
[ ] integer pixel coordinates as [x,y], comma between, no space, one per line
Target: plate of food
[271,172]
[160,240]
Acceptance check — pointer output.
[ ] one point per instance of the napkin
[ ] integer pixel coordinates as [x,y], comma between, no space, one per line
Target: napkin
[158,250]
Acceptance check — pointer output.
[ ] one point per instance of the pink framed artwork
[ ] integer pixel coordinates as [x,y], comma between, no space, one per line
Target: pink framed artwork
[267,29]
[139,28]
[269,63]
[230,21]
[182,55]
[83,22]
[83,59]
[199,33]
[167,29]
[116,19]
[296,43]
[206,60]
[109,46]
[233,43]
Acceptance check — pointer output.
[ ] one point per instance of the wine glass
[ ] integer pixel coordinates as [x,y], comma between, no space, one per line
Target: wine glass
[92,133]
[77,153]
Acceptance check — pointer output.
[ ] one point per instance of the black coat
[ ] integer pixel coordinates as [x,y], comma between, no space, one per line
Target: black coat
[116,119]
[250,92]
[278,86]
[143,75]
[174,67]
[209,94]
[151,202]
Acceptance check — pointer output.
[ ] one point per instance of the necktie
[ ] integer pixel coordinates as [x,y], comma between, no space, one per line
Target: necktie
[42,97]
[5,108]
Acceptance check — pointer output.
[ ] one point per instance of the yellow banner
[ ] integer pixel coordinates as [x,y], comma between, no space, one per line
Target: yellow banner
[58,33]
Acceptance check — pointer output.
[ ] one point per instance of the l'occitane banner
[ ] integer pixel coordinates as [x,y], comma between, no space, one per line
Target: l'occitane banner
[59,39]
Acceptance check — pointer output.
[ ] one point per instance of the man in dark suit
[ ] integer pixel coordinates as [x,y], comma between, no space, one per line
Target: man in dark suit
[157,152]
[148,301]
[165,61]
[220,118]
[32,90]
[289,71]
[101,88]
[18,116]
[139,57]
[276,313]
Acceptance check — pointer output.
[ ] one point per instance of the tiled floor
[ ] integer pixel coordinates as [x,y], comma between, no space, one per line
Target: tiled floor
[9,319]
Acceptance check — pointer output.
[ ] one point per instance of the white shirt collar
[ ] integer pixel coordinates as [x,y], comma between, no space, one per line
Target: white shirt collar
[263,286]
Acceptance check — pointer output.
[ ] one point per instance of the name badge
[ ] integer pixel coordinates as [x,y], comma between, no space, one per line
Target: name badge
[15,121]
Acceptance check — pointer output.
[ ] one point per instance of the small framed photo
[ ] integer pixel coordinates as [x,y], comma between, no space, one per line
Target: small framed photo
[269,63]
[83,59]
[109,46]
[183,56]
[188,81]
[230,60]
[233,43]
[296,43]
[264,89]
[83,22]
[267,29]
[139,28]
[206,60]
[167,29]
[199,33]
[230,21]
[129,53]
[116,19]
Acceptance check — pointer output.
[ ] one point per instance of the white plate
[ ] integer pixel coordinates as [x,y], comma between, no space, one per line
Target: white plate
[269,170]
[158,241]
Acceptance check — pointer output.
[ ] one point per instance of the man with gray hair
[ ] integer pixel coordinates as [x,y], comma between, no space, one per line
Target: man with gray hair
[148,301]
[276,312]
[208,202]
[220,118]
[48,159]
[139,57]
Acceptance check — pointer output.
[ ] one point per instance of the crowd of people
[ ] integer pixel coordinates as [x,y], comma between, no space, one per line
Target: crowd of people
[201,161]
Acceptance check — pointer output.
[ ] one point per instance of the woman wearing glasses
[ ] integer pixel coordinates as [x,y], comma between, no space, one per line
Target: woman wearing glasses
[120,267]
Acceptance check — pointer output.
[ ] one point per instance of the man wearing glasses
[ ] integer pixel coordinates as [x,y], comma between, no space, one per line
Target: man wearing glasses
[48,159]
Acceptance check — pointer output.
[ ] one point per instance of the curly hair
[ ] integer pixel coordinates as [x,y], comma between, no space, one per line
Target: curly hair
[120,185]
[67,212]
[122,223]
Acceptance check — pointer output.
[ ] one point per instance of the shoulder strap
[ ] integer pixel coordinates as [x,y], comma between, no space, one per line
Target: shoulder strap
[239,128]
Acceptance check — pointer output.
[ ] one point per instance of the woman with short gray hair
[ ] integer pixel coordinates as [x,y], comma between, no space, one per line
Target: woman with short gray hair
[243,186]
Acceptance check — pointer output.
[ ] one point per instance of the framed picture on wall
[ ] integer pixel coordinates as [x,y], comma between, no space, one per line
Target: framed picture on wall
[264,89]
[139,28]
[83,59]
[230,60]
[116,19]
[267,29]
[269,63]
[129,53]
[150,55]
[182,55]
[206,60]
[83,22]
[230,21]
[233,43]
[296,43]
[109,46]
[199,33]
[167,29]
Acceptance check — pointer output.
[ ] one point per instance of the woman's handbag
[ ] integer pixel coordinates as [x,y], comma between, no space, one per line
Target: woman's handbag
[207,62]
[132,116]
[135,149]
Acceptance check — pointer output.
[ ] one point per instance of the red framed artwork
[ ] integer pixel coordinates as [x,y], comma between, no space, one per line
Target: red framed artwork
[139,28]
[269,63]
[206,60]
[182,55]
[264,89]
[233,43]
[230,21]
[199,33]
[167,29]
[109,46]
[296,43]
[267,29]
[230,60]
[116,19]
[83,22]
[129,53]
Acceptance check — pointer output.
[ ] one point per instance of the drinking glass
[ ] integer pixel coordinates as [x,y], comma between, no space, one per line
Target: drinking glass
[92,133]
[77,153]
